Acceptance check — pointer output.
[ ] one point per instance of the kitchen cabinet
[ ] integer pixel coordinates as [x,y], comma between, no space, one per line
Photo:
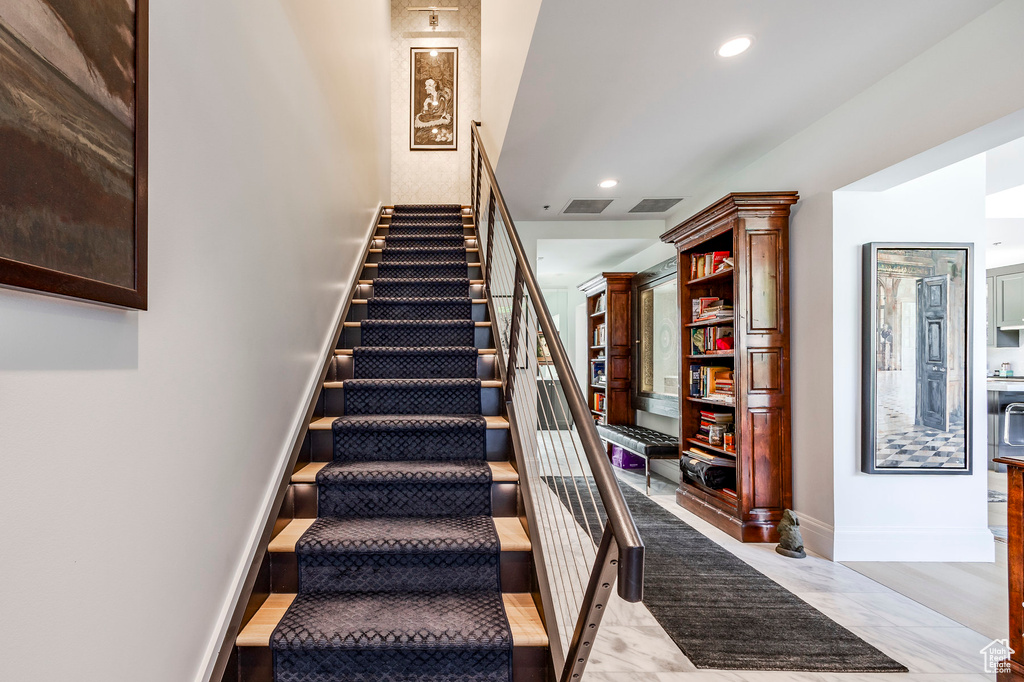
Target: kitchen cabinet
[1010,300]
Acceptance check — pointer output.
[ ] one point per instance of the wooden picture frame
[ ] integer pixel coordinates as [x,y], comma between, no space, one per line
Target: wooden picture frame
[917,388]
[644,284]
[433,98]
[73,220]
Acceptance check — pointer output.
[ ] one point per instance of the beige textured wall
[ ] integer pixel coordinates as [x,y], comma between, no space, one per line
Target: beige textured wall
[433,176]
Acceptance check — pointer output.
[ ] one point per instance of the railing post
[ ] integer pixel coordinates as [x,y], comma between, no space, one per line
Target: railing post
[513,334]
[472,176]
[490,241]
[595,603]
[476,199]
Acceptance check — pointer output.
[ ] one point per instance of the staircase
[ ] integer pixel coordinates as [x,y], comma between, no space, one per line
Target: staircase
[400,553]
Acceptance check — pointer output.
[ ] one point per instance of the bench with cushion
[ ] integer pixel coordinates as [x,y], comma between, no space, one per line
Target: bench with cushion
[641,441]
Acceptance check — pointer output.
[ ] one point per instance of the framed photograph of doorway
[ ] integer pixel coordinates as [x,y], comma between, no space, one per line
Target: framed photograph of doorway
[917,358]
[434,98]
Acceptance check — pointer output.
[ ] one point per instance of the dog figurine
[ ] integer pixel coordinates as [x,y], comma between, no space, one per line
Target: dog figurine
[791,543]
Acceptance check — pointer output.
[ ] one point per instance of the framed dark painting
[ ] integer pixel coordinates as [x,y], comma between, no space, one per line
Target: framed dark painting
[917,360]
[73,135]
[434,98]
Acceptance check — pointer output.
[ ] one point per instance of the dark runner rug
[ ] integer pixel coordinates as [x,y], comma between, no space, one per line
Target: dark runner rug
[721,612]
[414,363]
[399,576]
[405,637]
[421,288]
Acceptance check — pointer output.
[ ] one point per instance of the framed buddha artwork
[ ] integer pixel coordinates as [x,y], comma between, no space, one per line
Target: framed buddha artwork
[434,98]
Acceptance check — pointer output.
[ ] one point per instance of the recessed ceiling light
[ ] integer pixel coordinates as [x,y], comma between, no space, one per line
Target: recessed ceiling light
[735,46]
[433,53]
[608,184]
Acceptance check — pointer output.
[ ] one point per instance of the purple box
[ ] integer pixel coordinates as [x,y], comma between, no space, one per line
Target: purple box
[624,459]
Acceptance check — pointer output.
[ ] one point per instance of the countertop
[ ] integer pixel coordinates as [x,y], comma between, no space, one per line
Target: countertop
[1005,384]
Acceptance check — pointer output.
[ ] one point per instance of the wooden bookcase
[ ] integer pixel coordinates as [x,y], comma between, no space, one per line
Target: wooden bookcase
[610,307]
[754,228]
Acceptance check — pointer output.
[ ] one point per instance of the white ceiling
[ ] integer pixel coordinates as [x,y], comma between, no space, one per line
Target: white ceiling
[566,262]
[633,90]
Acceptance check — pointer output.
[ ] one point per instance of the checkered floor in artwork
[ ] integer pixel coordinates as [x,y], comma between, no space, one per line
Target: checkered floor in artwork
[922,447]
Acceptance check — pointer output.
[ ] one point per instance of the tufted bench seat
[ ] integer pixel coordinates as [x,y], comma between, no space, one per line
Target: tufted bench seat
[639,440]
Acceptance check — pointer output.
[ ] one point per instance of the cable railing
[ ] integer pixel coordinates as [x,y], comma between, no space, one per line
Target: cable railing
[583,534]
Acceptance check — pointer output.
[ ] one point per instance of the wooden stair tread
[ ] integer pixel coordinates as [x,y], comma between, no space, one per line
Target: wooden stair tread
[511,535]
[324,423]
[257,631]
[485,383]
[501,472]
[356,324]
[289,535]
[523,619]
[480,351]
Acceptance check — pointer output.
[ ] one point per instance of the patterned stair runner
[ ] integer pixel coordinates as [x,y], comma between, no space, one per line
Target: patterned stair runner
[399,575]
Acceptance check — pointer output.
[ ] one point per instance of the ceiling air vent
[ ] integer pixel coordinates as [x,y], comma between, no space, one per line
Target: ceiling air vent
[654,205]
[590,206]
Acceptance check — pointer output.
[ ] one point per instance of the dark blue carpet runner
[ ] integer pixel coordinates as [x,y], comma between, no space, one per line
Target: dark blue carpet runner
[399,575]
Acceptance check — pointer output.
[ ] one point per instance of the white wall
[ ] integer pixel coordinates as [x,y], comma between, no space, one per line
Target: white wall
[970,79]
[506,29]
[907,518]
[140,449]
[433,176]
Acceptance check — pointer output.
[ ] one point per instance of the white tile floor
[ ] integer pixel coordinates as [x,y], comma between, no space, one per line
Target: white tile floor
[632,647]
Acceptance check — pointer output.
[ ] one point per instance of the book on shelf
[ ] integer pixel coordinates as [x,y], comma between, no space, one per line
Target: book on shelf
[597,372]
[715,460]
[713,427]
[704,340]
[599,306]
[600,334]
[599,402]
[711,383]
[706,264]
[699,304]
[709,308]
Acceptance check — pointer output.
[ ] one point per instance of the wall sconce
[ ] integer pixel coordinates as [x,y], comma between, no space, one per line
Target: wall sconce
[433,20]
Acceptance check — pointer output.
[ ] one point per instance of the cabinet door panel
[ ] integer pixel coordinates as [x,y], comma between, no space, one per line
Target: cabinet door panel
[1010,300]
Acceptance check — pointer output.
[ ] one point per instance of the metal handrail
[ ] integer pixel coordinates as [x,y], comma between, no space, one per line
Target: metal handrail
[621,551]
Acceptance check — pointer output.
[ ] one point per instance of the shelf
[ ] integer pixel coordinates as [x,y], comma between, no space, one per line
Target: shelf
[716,354]
[597,348]
[599,387]
[598,359]
[600,414]
[712,401]
[711,492]
[711,323]
[713,448]
[597,314]
[724,274]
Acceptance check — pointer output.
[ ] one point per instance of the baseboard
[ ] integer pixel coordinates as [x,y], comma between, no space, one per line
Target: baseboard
[669,468]
[212,654]
[819,537]
[914,544]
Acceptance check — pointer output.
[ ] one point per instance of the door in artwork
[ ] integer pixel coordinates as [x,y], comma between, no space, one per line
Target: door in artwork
[932,342]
